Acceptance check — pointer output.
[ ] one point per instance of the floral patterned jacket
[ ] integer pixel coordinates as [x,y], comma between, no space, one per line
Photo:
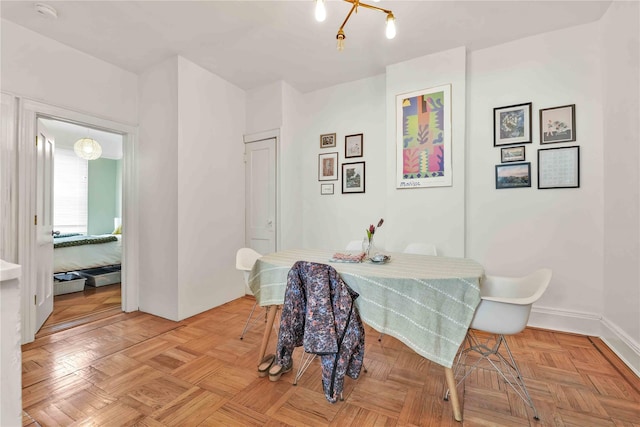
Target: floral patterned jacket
[319,313]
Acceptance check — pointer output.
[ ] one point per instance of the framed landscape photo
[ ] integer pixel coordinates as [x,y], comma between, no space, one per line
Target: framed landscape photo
[326,189]
[512,154]
[353,145]
[328,166]
[328,140]
[353,177]
[559,167]
[423,138]
[513,176]
[512,125]
[558,124]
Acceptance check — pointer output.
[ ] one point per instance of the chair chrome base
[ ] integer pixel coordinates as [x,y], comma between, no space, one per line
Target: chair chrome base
[504,364]
[305,362]
[252,320]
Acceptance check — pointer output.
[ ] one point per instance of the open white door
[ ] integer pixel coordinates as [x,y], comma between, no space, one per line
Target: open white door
[260,181]
[44,225]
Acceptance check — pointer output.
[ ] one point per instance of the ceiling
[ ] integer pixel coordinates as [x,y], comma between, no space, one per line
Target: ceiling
[253,43]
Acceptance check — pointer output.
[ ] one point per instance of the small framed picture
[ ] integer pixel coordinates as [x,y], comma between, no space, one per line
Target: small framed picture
[353,145]
[559,167]
[328,140]
[512,125]
[326,189]
[558,124]
[513,176]
[512,154]
[328,166]
[353,177]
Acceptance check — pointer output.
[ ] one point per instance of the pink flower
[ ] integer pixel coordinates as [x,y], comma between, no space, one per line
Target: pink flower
[372,229]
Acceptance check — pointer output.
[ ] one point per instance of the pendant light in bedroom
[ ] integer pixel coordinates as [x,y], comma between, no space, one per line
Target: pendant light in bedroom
[87,148]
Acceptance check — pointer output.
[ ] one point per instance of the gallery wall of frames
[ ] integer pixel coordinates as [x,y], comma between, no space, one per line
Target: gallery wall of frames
[558,165]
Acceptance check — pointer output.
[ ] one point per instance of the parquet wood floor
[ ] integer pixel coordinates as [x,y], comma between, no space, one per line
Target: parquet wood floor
[140,370]
[77,308]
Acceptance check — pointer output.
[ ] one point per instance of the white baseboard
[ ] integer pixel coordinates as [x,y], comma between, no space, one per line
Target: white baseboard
[622,345]
[593,325]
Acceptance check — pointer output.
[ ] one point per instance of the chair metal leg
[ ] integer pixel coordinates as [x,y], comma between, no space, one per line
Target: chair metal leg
[505,365]
[250,320]
[305,362]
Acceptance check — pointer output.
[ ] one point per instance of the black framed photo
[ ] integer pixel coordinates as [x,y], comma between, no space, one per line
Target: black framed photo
[512,125]
[328,166]
[326,189]
[558,124]
[328,140]
[353,177]
[353,145]
[559,167]
[512,154]
[515,175]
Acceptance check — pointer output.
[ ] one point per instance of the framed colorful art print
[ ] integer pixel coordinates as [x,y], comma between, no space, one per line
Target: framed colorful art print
[423,140]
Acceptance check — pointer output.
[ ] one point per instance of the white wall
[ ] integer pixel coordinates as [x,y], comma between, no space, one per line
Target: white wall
[42,69]
[621,112]
[368,106]
[433,215]
[191,189]
[211,120]
[331,221]
[292,131]
[158,152]
[514,231]
[264,108]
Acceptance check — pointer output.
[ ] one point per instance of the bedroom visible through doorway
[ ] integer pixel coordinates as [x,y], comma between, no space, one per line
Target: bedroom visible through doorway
[87,231]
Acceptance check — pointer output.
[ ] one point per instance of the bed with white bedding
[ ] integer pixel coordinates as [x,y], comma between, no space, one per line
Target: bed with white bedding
[73,253]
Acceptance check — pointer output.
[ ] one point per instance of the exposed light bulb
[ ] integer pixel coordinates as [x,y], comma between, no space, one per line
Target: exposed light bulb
[340,38]
[391,26]
[321,11]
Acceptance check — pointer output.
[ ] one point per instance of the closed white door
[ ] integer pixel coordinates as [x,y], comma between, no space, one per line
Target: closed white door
[260,179]
[44,225]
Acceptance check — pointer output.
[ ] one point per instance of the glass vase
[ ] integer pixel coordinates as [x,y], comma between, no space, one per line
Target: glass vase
[368,247]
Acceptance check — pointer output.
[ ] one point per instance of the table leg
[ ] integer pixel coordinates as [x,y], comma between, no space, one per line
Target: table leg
[453,394]
[271,315]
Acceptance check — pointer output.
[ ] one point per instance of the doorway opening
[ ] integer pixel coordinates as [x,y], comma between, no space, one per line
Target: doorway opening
[87,226]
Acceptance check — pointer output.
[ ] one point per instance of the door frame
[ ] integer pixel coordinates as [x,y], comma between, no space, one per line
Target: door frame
[28,113]
[261,136]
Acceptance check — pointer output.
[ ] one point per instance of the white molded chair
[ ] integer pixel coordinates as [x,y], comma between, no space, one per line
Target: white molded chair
[421,249]
[504,309]
[245,258]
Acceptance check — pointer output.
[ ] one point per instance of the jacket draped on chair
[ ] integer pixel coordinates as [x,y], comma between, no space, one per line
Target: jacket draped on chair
[319,313]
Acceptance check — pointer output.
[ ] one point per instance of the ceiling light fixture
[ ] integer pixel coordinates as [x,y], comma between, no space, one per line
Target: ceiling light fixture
[87,148]
[321,14]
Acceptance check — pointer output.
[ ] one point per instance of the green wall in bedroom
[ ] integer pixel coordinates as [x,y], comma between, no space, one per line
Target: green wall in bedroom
[104,194]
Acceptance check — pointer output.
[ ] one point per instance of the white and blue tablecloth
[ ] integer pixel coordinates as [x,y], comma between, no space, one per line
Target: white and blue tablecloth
[427,302]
